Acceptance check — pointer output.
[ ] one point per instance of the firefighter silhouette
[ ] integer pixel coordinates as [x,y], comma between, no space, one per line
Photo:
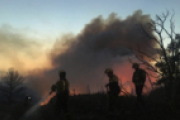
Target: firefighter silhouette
[139,78]
[113,89]
[62,94]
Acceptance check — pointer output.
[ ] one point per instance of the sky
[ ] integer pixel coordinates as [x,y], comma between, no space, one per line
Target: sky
[51,18]
[46,20]
[29,29]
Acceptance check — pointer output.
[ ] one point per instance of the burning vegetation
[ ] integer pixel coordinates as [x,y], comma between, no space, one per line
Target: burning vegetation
[101,44]
[115,43]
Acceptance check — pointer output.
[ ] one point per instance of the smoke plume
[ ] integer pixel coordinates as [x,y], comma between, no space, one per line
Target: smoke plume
[18,50]
[102,43]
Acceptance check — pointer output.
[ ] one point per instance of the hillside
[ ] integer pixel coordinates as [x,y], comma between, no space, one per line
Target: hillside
[93,107]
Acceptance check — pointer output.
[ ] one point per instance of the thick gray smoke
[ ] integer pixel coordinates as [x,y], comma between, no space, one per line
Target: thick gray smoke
[102,43]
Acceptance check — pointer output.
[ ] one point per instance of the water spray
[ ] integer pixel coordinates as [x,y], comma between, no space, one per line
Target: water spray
[34,108]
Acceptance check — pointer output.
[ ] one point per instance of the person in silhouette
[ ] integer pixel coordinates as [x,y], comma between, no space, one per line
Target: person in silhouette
[113,89]
[139,78]
[62,94]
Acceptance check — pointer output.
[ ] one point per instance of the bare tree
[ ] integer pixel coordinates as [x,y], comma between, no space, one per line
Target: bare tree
[167,59]
[11,85]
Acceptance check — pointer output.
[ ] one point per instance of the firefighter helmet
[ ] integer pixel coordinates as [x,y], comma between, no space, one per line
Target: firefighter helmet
[135,65]
[108,70]
[62,73]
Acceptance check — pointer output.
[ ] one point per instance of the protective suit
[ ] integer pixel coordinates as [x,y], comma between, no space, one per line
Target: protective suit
[139,78]
[62,93]
[113,91]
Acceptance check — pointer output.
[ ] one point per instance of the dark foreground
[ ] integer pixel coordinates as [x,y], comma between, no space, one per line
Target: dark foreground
[93,107]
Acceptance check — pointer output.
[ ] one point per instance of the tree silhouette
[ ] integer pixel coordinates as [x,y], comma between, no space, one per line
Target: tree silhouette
[171,82]
[166,59]
[11,85]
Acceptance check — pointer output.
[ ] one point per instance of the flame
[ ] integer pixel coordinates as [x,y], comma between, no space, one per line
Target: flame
[124,72]
[46,101]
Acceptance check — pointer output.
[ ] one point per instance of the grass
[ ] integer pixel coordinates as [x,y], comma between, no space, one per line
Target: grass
[93,107]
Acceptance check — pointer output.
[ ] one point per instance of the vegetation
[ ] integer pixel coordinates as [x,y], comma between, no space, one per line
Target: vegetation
[166,58]
[12,94]
[93,107]
[11,86]
[160,104]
